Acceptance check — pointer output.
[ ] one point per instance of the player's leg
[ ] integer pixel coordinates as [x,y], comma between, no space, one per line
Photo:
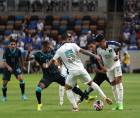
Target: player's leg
[6,79]
[44,83]
[61,94]
[20,78]
[117,88]
[116,81]
[98,79]
[63,71]
[87,79]
[62,80]
[70,83]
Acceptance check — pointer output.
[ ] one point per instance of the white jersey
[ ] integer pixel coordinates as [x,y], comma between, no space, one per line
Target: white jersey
[108,55]
[68,53]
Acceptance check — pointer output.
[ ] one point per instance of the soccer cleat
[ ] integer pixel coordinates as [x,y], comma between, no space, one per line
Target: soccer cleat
[39,107]
[75,109]
[4,99]
[91,99]
[120,106]
[115,108]
[24,97]
[108,101]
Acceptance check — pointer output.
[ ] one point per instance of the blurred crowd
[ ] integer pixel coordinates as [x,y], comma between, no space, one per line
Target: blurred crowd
[131,27]
[48,5]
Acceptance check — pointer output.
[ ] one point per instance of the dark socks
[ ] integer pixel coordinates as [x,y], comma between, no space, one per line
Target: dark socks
[22,87]
[38,96]
[77,91]
[4,90]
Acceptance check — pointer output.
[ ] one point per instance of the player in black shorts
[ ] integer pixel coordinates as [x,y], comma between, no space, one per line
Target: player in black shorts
[100,75]
[50,74]
[14,64]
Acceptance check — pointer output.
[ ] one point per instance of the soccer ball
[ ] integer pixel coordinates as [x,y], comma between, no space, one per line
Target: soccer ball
[98,105]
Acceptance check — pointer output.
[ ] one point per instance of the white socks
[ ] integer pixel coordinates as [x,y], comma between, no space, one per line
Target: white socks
[71,98]
[61,94]
[118,93]
[98,89]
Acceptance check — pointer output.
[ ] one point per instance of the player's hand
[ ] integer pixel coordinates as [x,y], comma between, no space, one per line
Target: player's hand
[98,58]
[9,69]
[45,65]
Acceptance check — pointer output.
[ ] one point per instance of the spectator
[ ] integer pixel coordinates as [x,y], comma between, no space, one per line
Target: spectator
[126,62]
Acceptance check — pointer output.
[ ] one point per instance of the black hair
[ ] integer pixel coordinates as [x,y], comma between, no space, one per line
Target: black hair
[99,37]
[45,43]
[13,41]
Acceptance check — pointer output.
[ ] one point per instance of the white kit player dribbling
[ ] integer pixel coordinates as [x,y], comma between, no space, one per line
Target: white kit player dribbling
[68,53]
[109,54]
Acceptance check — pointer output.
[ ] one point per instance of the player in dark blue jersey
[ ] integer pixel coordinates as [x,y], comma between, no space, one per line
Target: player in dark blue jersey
[14,64]
[51,74]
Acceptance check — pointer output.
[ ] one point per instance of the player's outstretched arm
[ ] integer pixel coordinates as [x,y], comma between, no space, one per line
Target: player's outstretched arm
[89,53]
[52,61]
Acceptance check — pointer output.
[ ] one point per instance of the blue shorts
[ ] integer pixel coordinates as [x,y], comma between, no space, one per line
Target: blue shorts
[7,74]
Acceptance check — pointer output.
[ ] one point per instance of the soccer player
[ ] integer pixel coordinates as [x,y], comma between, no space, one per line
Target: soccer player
[14,64]
[1,56]
[68,53]
[109,52]
[100,75]
[51,74]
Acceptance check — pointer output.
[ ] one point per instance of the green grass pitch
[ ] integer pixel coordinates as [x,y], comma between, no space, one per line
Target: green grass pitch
[15,108]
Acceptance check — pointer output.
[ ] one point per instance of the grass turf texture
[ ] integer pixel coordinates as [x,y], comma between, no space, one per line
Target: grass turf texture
[16,108]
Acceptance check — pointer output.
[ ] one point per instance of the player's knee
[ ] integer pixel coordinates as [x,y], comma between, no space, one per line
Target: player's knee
[4,84]
[41,85]
[67,87]
[21,81]
[116,81]
[38,89]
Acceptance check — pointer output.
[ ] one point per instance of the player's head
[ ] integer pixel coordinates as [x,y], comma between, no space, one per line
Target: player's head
[69,37]
[66,37]
[92,46]
[46,46]
[101,41]
[13,43]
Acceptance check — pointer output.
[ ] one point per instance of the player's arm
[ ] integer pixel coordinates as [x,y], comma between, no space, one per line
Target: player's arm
[85,52]
[54,60]
[29,56]
[4,61]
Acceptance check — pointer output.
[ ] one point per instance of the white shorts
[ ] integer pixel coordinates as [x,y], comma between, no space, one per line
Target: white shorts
[82,75]
[64,71]
[116,72]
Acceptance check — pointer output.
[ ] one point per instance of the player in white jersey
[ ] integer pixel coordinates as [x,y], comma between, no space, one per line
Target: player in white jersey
[109,52]
[68,53]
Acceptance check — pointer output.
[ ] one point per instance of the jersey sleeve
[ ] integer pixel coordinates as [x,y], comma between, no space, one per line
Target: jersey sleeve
[57,55]
[76,47]
[114,44]
[98,51]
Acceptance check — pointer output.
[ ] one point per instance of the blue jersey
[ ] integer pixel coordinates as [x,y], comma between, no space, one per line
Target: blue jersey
[12,57]
[44,57]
